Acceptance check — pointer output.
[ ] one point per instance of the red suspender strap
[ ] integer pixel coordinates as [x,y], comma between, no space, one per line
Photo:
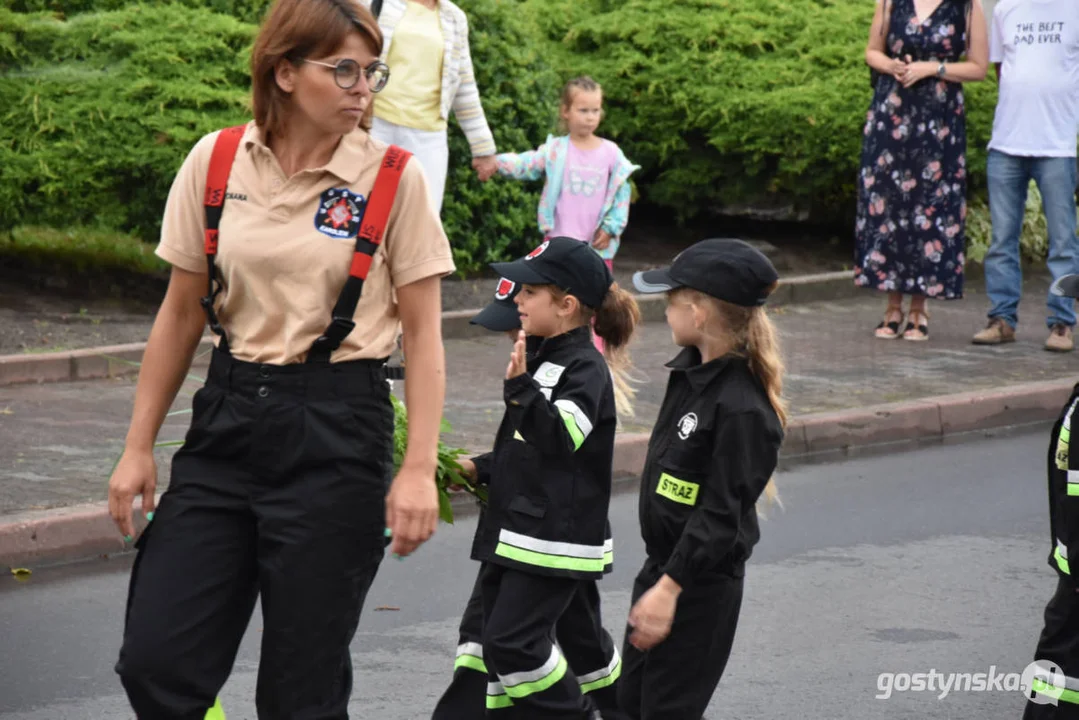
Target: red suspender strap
[376,214]
[217,179]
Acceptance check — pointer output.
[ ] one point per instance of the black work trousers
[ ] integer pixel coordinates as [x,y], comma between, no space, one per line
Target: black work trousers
[528,677]
[277,492]
[675,680]
[586,644]
[1059,646]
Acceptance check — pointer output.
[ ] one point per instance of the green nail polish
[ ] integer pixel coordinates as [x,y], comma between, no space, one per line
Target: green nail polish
[149,516]
[388,533]
[128,538]
[397,557]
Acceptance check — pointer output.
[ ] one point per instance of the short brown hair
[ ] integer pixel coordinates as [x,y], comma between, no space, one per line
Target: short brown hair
[295,29]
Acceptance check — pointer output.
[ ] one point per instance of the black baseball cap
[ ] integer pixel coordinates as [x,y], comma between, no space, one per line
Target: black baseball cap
[1066,286]
[725,268]
[501,313]
[566,263]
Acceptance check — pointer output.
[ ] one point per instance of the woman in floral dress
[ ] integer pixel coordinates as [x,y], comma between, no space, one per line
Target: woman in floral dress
[909,235]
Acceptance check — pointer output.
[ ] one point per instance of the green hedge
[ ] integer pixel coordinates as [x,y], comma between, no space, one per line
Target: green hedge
[98,111]
[246,10]
[729,102]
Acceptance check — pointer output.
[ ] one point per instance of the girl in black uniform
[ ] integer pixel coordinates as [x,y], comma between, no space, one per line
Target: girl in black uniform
[711,455]
[545,532]
[590,651]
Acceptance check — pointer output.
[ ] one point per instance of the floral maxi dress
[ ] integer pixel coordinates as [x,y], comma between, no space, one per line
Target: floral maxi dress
[909,233]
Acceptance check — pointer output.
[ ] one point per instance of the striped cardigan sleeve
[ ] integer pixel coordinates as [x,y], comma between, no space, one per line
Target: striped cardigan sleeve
[466,103]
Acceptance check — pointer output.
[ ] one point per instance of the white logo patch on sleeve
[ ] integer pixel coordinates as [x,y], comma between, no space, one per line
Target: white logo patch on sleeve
[548,374]
[687,425]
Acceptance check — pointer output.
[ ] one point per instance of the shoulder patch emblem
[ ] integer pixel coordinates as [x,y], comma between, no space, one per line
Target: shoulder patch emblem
[687,425]
[548,374]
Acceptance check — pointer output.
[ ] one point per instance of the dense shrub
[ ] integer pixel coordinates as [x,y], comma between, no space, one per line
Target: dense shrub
[247,10]
[98,111]
[726,102]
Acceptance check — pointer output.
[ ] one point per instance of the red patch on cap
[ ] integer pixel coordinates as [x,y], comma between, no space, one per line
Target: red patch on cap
[504,289]
[538,251]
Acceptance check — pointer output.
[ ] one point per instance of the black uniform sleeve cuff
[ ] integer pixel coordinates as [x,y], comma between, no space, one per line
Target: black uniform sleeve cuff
[515,388]
[676,569]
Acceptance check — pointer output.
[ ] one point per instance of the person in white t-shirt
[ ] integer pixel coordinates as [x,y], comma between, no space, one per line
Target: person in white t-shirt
[1035,46]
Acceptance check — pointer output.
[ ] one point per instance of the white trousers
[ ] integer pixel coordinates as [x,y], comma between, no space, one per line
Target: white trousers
[428,146]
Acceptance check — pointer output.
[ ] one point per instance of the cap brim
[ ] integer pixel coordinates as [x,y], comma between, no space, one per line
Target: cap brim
[654,281]
[498,317]
[519,271]
[1066,286]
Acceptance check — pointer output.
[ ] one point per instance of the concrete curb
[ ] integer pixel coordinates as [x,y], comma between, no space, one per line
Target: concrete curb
[93,363]
[84,531]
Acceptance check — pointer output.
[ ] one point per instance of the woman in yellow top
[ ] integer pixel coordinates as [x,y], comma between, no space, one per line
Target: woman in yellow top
[280,488]
[426,45]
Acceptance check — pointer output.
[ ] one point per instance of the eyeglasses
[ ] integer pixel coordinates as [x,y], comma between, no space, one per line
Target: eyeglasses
[346,73]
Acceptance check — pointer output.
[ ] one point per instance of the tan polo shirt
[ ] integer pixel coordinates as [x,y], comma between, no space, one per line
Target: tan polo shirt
[286,245]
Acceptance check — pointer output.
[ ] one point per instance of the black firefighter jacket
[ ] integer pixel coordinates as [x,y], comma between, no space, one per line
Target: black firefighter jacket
[712,451]
[550,470]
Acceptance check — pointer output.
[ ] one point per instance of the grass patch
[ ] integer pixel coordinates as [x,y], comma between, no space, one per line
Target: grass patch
[81,249]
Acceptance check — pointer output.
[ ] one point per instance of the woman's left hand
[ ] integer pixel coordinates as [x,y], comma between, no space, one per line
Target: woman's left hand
[653,614]
[917,71]
[485,166]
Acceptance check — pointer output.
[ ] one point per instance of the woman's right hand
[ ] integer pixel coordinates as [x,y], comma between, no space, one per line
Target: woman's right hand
[135,474]
[898,68]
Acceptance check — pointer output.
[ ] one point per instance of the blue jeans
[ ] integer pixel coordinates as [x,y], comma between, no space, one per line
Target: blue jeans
[1009,176]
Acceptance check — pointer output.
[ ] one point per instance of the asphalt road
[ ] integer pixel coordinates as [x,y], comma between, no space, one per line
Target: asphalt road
[928,560]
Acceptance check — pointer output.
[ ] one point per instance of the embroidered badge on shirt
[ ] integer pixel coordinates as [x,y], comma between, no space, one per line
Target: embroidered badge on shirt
[339,213]
[548,374]
[687,425]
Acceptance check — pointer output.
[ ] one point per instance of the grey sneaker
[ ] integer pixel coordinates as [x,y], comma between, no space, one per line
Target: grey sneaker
[1060,339]
[997,332]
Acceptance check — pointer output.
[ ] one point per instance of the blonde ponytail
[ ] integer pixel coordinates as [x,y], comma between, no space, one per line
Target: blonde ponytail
[616,322]
[762,351]
[753,336]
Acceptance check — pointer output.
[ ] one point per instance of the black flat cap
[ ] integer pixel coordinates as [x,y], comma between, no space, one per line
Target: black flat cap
[566,263]
[725,268]
[501,313]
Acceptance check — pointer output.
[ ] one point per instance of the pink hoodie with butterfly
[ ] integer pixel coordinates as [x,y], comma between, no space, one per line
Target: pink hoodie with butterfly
[575,191]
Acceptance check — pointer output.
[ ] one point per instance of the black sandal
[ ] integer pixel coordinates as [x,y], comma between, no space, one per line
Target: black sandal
[921,328]
[889,330]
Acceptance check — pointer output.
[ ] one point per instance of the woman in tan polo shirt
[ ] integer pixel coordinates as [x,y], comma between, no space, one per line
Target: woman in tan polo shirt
[280,489]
